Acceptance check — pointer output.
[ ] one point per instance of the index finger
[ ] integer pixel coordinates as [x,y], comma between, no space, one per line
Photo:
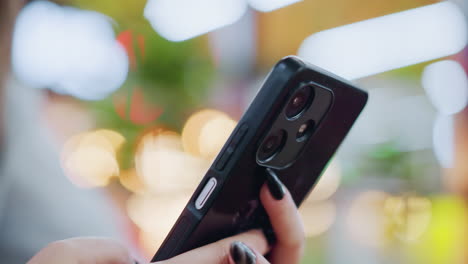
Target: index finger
[286,222]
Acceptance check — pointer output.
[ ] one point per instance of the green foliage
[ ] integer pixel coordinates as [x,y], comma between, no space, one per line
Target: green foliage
[173,76]
[386,159]
[389,161]
[315,251]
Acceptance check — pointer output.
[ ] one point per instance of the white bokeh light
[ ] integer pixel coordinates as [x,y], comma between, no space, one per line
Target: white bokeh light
[270,5]
[69,50]
[446,84]
[179,20]
[388,42]
[443,140]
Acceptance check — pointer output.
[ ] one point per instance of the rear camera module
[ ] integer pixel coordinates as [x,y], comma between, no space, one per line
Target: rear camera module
[271,145]
[300,100]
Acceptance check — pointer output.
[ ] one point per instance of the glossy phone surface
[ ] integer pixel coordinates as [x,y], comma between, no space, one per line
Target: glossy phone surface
[294,125]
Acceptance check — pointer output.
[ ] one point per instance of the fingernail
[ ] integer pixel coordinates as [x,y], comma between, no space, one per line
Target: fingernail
[274,185]
[242,254]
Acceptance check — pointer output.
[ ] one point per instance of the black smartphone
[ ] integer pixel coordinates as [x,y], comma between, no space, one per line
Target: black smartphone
[294,125]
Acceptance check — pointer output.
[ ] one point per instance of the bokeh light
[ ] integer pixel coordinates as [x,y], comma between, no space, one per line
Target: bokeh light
[270,5]
[130,180]
[388,218]
[69,50]
[318,211]
[366,219]
[205,133]
[317,217]
[328,183]
[179,20]
[445,238]
[214,135]
[155,215]
[446,84]
[389,42]
[89,159]
[443,140]
[409,217]
[91,166]
[163,165]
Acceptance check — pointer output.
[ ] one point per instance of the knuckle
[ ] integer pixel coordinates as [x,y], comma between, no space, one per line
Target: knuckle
[223,252]
[220,252]
[61,246]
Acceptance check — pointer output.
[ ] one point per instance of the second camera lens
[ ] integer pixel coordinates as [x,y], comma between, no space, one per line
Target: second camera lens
[299,101]
[271,145]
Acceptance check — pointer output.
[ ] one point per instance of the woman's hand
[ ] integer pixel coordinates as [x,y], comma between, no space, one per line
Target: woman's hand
[245,248]
[250,247]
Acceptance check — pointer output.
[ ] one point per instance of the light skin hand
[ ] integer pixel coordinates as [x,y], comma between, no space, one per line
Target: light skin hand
[286,224]
[246,248]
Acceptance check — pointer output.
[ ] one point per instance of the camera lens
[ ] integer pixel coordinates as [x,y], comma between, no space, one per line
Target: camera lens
[299,101]
[271,145]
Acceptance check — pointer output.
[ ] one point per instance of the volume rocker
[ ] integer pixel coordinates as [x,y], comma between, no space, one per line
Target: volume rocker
[235,140]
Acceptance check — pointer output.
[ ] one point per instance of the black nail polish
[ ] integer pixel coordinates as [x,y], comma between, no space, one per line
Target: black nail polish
[242,254]
[274,185]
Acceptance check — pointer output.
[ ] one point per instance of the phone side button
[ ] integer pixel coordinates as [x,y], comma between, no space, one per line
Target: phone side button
[239,135]
[236,139]
[224,159]
[205,193]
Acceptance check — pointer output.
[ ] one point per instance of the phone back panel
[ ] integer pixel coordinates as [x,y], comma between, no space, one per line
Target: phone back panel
[233,206]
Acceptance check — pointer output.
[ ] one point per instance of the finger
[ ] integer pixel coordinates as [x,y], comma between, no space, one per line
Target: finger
[218,252]
[241,254]
[284,219]
[83,250]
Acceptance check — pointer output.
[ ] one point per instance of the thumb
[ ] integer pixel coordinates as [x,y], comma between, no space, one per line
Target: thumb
[240,253]
[227,251]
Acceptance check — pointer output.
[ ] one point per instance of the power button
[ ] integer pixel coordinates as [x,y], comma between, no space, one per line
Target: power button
[205,193]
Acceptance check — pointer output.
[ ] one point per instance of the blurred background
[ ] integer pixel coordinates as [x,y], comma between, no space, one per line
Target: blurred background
[139,96]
